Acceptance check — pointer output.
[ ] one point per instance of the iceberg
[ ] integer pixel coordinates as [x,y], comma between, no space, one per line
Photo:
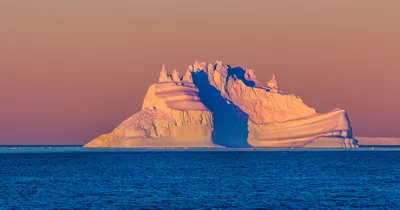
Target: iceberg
[217,105]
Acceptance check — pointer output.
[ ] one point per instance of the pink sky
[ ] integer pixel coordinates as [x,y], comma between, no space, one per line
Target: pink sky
[72,70]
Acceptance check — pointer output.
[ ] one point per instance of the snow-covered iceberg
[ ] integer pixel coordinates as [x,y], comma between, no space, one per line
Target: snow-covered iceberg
[215,105]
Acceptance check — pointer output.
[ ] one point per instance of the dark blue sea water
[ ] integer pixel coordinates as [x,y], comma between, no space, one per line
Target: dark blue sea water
[71,177]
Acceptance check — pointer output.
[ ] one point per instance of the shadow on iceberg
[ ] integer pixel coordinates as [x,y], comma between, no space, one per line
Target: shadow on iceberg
[230,122]
[240,74]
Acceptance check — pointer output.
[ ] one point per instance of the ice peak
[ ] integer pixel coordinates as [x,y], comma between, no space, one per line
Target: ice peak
[199,66]
[273,84]
[188,76]
[250,75]
[190,68]
[176,77]
[163,74]
[219,63]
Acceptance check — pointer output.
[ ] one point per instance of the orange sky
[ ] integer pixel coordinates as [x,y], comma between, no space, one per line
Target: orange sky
[71,70]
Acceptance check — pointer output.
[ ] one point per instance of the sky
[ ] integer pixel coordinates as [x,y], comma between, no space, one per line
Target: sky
[72,70]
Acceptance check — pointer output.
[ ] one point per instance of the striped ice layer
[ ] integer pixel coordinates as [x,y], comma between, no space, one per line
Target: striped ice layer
[300,133]
[180,96]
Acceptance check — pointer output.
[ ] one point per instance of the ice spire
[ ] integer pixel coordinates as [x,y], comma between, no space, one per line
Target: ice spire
[196,65]
[220,66]
[188,76]
[272,84]
[176,76]
[250,75]
[163,74]
[219,63]
[190,68]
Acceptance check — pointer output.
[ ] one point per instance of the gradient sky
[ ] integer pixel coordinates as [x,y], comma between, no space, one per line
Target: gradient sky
[72,70]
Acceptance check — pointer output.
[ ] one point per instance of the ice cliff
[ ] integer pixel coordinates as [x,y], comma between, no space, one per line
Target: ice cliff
[215,104]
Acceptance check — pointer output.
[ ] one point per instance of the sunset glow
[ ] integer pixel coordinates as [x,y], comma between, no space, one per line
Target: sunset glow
[72,70]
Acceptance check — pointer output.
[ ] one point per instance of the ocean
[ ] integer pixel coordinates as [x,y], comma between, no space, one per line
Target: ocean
[50,177]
